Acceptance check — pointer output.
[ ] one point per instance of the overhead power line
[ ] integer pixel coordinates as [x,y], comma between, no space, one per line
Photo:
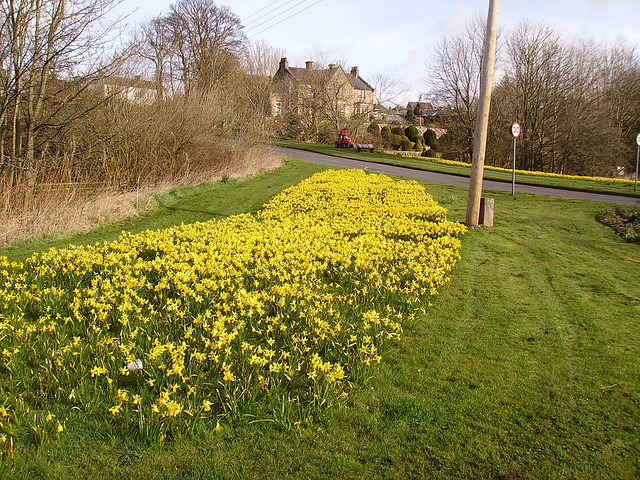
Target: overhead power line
[258,11]
[270,12]
[283,20]
[277,15]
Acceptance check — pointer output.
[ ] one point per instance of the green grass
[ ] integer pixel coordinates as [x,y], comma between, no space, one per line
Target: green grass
[587,185]
[525,366]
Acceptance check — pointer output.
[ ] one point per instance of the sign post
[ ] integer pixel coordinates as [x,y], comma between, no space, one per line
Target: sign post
[635,183]
[515,131]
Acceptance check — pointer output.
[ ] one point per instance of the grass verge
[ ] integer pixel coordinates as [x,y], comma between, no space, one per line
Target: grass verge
[432,165]
[525,366]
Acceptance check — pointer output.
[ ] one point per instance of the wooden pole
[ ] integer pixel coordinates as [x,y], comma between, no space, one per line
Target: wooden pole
[482,119]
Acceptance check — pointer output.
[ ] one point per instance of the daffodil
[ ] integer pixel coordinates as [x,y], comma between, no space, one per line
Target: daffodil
[298,291]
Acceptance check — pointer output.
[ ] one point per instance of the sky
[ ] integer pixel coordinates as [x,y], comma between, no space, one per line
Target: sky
[381,36]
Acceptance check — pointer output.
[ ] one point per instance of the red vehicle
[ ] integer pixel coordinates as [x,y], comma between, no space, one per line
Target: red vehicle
[343,141]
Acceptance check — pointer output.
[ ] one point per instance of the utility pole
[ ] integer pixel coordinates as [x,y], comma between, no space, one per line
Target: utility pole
[482,119]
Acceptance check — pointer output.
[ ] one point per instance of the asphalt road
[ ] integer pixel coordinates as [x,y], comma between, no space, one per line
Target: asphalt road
[444,179]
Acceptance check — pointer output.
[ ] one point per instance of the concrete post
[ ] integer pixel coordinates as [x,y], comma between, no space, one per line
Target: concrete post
[486,211]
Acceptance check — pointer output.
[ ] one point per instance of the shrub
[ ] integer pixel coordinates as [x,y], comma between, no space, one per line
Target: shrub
[412,133]
[291,128]
[386,132]
[373,134]
[429,136]
[397,130]
[407,144]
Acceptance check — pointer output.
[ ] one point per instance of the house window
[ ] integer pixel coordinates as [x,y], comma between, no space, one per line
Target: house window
[340,92]
[361,95]
[341,109]
[362,108]
[278,109]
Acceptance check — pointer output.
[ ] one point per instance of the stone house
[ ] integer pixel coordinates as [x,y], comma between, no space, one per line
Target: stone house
[426,108]
[134,90]
[310,91]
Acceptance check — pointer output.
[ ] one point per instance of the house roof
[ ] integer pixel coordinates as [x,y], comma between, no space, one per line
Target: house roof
[423,105]
[299,73]
[130,82]
[359,84]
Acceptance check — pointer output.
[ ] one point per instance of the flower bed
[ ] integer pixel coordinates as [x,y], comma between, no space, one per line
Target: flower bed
[270,316]
[624,221]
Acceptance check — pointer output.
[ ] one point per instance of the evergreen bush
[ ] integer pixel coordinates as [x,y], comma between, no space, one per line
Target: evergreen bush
[412,133]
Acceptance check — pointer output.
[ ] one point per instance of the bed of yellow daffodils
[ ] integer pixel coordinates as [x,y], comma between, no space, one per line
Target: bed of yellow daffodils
[622,181]
[269,317]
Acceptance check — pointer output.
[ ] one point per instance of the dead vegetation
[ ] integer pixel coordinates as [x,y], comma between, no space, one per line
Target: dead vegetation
[61,209]
[85,139]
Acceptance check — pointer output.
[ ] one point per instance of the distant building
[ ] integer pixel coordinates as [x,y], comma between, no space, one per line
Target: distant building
[134,89]
[306,91]
[425,108]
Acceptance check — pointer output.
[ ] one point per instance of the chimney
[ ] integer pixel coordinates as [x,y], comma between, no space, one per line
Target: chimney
[332,66]
[354,71]
[284,63]
[309,64]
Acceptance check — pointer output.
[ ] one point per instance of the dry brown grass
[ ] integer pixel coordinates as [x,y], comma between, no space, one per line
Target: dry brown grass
[61,209]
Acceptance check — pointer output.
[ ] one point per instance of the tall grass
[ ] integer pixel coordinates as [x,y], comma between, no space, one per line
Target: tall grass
[64,202]
[94,160]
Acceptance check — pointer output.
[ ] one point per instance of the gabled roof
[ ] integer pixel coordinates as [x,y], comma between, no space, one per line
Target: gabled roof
[359,84]
[422,105]
[300,74]
[357,81]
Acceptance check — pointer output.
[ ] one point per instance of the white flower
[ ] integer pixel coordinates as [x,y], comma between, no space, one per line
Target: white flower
[137,365]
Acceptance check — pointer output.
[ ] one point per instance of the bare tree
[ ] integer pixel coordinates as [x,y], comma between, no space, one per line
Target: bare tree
[261,59]
[205,42]
[621,96]
[454,79]
[388,89]
[577,103]
[51,51]
[537,76]
[151,43]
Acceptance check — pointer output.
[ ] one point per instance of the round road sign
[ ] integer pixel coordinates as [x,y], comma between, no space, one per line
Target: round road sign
[638,139]
[515,130]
